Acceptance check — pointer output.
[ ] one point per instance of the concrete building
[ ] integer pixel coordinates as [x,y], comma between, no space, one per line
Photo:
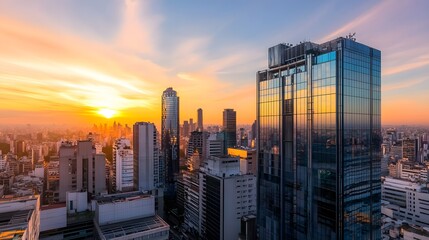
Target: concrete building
[213,145]
[195,144]
[128,216]
[20,218]
[200,126]
[248,159]
[122,166]
[146,157]
[80,169]
[408,201]
[2,162]
[192,215]
[225,197]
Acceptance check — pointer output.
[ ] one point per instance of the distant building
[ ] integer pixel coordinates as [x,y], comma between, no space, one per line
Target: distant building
[230,128]
[200,120]
[409,149]
[213,145]
[195,144]
[122,166]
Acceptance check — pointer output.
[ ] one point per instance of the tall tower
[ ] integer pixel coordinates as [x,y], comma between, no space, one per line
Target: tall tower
[170,133]
[230,128]
[200,119]
[318,141]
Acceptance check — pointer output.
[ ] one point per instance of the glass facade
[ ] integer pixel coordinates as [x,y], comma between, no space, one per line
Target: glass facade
[319,143]
[170,133]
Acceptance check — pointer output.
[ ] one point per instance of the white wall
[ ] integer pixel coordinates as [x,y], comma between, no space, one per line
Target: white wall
[124,210]
[53,218]
[79,200]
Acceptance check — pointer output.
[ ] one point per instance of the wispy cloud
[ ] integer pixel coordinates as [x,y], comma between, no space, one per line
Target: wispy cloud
[402,85]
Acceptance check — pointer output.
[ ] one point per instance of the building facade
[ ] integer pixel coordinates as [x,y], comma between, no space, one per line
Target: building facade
[318,142]
[146,157]
[230,128]
[200,120]
[170,133]
[122,166]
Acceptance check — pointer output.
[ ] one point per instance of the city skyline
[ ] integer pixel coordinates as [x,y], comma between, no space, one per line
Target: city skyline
[71,66]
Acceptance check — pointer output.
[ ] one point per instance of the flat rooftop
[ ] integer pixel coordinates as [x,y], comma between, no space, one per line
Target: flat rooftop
[140,225]
[13,224]
[122,197]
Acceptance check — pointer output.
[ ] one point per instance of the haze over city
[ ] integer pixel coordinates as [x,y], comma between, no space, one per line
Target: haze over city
[80,62]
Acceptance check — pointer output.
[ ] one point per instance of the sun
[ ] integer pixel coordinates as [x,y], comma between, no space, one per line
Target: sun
[107,113]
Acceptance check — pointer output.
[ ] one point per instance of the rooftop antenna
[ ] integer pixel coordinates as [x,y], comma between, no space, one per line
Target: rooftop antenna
[351,36]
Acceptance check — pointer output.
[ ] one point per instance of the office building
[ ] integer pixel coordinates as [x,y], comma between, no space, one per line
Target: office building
[230,128]
[318,142]
[225,197]
[200,120]
[146,157]
[409,149]
[170,133]
[122,166]
[214,145]
[195,144]
[81,169]
[185,129]
[407,201]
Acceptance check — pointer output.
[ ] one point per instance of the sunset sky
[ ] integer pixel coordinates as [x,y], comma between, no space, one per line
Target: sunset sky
[71,62]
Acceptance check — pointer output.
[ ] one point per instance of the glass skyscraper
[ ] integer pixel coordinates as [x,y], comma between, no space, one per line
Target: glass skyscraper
[170,133]
[318,142]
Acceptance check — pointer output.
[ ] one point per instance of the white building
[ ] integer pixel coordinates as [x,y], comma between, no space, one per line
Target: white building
[214,145]
[226,195]
[248,159]
[128,216]
[122,167]
[146,157]
[408,201]
[20,218]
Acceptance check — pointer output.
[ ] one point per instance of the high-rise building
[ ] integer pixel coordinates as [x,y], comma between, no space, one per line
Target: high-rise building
[230,128]
[81,169]
[409,149]
[146,157]
[195,144]
[213,145]
[225,197]
[191,125]
[122,166]
[200,120]
[318,142]
[170,133]
[185,129]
